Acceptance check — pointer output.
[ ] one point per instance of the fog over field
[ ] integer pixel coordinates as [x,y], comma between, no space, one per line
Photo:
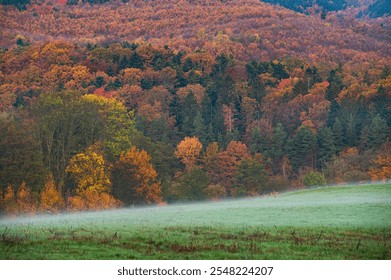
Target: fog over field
[340,222]
[355,206]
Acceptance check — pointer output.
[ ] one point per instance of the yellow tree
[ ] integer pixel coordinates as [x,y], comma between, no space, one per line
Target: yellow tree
[89,172]
[92,178]
[50,198]
[188,151]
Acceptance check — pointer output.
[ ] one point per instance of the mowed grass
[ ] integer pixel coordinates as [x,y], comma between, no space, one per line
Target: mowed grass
[342,222]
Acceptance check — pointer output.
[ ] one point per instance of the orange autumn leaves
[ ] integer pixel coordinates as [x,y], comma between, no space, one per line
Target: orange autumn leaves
[94,188]
[22,201]
[135,178]
[51,199]
[382,168]
[220,167]
[188,151]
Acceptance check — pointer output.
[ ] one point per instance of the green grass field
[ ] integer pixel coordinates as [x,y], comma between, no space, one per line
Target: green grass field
[342,222]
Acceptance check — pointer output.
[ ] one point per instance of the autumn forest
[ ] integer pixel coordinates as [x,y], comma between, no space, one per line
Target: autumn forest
[106,104]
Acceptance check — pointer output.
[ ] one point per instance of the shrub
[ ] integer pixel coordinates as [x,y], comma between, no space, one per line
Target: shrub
[215,192]
[314,178]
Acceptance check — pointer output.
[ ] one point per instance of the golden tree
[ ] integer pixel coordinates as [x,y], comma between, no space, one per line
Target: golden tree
[93,182]
[188,151]
[89,172]
[51,200]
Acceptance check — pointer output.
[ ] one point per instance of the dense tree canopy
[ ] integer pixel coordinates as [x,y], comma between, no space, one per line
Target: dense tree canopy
[219,111]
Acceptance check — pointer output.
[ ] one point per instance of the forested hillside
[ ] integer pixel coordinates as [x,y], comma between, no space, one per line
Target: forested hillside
[246,29]
[129,103]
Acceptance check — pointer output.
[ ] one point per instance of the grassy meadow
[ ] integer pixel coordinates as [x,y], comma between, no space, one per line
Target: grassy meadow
[341,222]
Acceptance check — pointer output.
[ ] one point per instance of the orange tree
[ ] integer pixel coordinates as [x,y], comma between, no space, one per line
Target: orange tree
[188,151]
[134,178]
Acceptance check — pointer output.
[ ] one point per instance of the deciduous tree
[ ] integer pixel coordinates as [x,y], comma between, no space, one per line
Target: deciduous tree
[51,200]
[89,171]
[188,151]
[135,179]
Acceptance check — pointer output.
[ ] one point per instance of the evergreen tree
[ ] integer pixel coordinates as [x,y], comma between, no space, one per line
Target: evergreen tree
[114,85]
[218,121]
[251,178]
[333,113]
[188,65]
[232,136]
[279,71]
[386,72]
[277,149]
[123,63]
[192,184]
[383,104]
[210,135]
[99,81]
[207,109]
[301,149]
[252,70]
[135,61]
[338,135]
[351,131]
[364,138]
[177,59]
[222,62]
[175,110]
[189,109]
[326,145]
[377,132]
[335,84]
[199,127]
[180,77]
[300,88]
[159,130]
[110,71]
[158,62]
[258,142]
[312,77]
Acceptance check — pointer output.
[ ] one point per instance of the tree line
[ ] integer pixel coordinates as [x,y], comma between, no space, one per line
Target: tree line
[92,127]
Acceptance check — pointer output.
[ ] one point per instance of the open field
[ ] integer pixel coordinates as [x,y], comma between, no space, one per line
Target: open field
[343,222]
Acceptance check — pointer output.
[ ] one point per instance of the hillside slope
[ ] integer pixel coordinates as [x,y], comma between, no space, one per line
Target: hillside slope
[248,29]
